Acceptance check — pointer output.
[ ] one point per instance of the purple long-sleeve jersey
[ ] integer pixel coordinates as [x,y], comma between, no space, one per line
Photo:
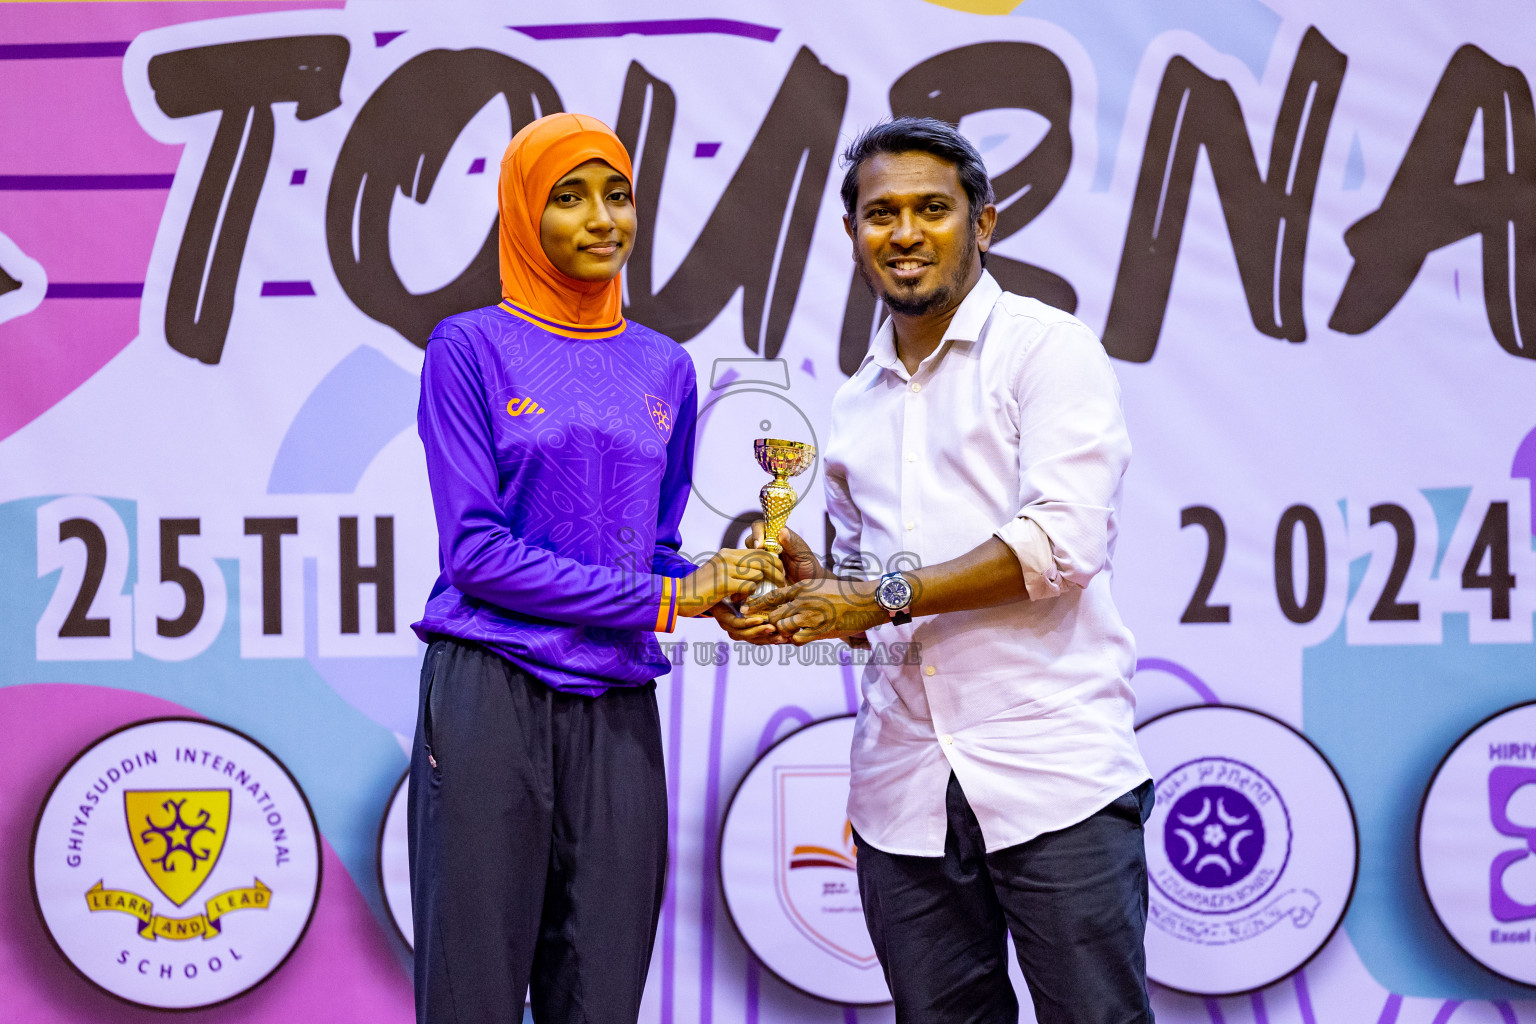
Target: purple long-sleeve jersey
[560,465]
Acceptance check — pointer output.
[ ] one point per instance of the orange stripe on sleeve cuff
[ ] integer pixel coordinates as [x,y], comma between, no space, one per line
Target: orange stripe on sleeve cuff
[666,614]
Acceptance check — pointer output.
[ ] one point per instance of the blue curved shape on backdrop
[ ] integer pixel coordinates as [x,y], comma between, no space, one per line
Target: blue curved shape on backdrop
[1385,715]
[1116,34]
[356,409]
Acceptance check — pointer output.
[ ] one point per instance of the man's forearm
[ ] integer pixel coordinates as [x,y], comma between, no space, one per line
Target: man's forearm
[987,575]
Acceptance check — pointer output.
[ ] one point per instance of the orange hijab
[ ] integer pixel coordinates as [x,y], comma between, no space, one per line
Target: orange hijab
[536,158]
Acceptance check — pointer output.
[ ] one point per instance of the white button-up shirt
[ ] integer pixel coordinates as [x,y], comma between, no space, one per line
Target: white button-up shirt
[1011,427]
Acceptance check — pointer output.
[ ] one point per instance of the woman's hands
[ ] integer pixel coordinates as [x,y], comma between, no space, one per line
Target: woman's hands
[729,575]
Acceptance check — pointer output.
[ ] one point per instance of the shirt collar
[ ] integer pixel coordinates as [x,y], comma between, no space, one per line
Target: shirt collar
[970,317]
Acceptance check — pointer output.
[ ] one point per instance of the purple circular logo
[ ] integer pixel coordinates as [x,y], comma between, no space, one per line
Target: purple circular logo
[1214,836]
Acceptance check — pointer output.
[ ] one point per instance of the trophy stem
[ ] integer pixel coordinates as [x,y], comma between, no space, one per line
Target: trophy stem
[777,499]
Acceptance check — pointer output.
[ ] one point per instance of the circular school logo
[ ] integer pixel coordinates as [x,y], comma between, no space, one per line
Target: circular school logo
[395,861]
[175,863]
[787,864]
[1219,837]
[1477,843]
[1251,850]
[1226,837]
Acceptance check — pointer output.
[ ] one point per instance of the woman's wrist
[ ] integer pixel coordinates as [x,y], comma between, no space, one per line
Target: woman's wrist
[696,591]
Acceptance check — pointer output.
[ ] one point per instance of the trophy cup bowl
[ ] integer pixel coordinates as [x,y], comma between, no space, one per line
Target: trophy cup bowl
[783,459]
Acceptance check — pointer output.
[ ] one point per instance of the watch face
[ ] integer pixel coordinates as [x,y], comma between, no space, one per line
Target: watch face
[894,593]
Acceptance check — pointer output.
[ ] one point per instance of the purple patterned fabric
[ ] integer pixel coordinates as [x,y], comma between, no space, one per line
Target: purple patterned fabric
[559,468]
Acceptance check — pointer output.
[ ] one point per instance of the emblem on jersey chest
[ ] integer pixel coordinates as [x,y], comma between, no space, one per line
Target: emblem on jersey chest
[661,415]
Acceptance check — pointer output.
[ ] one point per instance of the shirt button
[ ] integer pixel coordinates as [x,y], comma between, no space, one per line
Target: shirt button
[911,525]
[916,386]
[947,740]
[912,457]
[930,670]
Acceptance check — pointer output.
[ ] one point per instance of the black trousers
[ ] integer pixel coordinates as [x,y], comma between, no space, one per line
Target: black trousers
[538,839]
[1075,902]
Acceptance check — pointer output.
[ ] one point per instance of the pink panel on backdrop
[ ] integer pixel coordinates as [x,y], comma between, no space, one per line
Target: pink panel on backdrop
[97,22]
[54,349]
[85,236]
[343,971]
[78,237]
[71,116]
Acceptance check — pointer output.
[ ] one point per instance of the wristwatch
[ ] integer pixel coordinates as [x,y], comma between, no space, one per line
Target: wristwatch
[894,594]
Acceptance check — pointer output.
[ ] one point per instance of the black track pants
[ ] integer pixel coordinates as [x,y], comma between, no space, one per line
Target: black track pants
[538,844]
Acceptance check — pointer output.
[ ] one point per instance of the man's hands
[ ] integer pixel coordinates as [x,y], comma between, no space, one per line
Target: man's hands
[730,574]
[814,606]
[818,606]
[820,609]
[799,562]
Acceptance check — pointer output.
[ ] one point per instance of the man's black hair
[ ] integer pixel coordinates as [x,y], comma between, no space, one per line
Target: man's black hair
[923,135]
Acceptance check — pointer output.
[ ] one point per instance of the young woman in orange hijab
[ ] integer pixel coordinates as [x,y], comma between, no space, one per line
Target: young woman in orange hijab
[559,442]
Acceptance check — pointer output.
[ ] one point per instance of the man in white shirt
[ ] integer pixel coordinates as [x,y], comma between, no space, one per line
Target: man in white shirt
[974,466]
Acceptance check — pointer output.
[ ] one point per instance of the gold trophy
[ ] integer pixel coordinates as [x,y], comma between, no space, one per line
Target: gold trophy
[783,459]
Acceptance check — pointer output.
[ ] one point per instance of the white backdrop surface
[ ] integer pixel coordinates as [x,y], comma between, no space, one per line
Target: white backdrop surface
[1325,353]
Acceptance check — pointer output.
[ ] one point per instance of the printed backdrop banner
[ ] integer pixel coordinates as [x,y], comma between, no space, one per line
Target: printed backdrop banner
[1306,233]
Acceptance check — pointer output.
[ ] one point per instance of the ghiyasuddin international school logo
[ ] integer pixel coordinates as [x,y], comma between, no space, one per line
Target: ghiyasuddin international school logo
[178,836]
[661,415]
[176,863]
[1251,850]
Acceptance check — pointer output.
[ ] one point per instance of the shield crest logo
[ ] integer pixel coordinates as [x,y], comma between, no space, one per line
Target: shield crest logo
[178,835]
[814,859]
[661,415]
